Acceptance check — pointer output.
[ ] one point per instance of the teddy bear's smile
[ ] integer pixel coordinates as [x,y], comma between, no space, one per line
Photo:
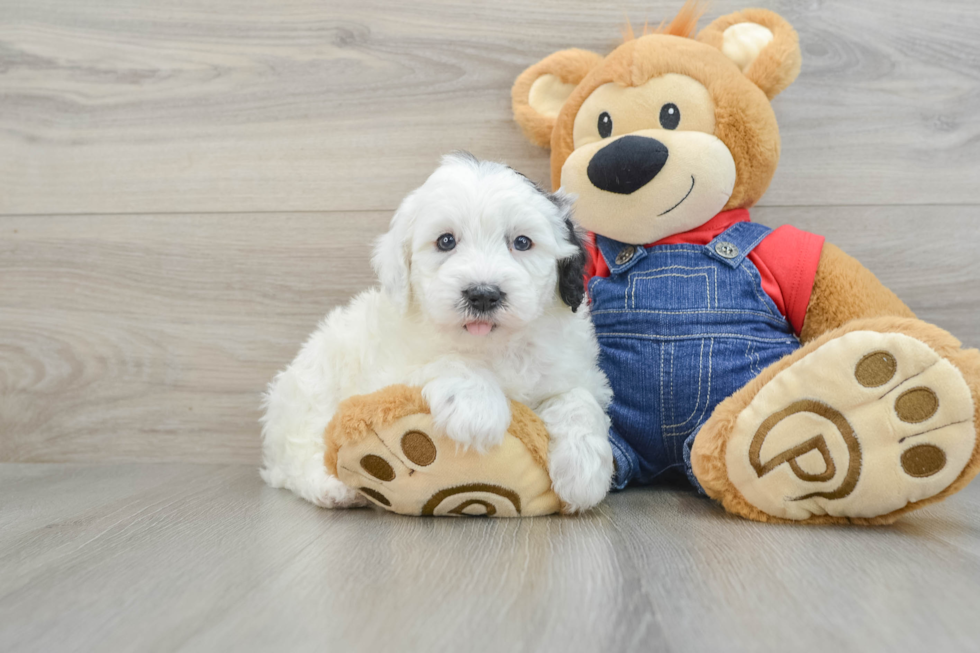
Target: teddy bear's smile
[689,191]
[628,164]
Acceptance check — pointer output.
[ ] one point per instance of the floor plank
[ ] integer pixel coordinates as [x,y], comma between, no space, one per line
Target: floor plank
[150,338]
[135,106]
[195,558]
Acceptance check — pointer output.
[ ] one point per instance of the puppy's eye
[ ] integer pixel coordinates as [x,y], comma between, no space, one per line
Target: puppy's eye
[670,116]
[446,242]
[522,243]
[605,124]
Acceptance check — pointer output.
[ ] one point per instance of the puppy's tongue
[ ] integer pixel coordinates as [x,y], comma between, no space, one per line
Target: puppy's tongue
[479,328]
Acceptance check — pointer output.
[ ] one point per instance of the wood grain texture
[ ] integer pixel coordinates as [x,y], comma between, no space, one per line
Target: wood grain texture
[150,338]
[162,328]
[203,558]
[140,106]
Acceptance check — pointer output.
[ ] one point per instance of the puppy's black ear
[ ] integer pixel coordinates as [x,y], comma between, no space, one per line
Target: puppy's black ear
[571,270]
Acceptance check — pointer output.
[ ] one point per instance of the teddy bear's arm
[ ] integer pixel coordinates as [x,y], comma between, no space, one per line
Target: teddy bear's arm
[844,290]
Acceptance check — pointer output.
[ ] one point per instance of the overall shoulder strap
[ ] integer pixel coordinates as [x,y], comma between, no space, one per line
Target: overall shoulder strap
[619,256]
[734,244]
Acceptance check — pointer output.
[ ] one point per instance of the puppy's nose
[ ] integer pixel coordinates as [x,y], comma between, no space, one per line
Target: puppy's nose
[483,299]
[627,164]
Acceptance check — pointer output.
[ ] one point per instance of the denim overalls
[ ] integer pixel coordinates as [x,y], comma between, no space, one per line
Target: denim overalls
[680,328]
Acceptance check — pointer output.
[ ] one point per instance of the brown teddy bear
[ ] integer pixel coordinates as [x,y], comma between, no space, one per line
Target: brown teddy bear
[772,369]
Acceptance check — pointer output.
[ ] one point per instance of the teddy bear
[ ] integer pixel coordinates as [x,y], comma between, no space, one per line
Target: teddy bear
[767,367]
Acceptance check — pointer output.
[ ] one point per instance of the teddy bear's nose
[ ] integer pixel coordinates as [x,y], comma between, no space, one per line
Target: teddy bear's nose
[627,164]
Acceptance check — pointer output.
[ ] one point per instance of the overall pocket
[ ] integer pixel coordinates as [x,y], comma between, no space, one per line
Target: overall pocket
[673,287]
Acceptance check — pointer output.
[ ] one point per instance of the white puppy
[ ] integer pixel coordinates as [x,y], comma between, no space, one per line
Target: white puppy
[481,275]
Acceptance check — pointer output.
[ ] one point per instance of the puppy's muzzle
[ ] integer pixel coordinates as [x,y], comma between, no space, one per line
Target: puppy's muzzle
[483,299]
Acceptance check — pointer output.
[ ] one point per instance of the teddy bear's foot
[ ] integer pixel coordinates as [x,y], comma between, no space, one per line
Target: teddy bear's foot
[387,448]
[861,428]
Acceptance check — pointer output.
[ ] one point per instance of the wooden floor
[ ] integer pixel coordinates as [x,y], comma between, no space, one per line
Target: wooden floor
[181,557]
[187,187]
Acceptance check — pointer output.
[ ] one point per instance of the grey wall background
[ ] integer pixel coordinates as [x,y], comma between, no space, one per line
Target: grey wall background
[187,187]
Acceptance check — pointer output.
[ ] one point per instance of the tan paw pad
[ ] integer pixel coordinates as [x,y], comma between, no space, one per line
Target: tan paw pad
[862,426]
[409,467]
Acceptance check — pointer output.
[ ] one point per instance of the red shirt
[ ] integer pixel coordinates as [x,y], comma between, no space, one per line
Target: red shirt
[787,260]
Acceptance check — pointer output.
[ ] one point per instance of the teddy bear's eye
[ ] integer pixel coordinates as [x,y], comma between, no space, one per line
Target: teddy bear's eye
[605,124]
[670,116]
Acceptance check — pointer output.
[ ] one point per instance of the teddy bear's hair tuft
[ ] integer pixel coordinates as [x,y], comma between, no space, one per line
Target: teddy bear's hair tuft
[685,23]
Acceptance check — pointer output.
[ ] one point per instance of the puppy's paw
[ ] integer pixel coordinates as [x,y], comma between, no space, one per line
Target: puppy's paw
[581,471]
[474,414]
[326,491]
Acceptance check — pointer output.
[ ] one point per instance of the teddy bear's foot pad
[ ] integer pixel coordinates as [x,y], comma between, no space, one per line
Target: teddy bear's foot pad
[861,427]
[410,467]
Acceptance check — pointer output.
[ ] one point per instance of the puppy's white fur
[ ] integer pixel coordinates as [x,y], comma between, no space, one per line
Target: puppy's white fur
[412,331]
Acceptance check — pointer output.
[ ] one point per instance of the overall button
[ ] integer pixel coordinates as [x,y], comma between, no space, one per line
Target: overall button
[625,255]
[724,249]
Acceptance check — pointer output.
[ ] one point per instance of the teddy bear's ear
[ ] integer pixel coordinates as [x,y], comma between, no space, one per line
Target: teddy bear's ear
[541,90]
[761,43]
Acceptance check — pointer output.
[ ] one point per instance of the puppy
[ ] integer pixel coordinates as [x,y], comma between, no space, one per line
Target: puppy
[480,302]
